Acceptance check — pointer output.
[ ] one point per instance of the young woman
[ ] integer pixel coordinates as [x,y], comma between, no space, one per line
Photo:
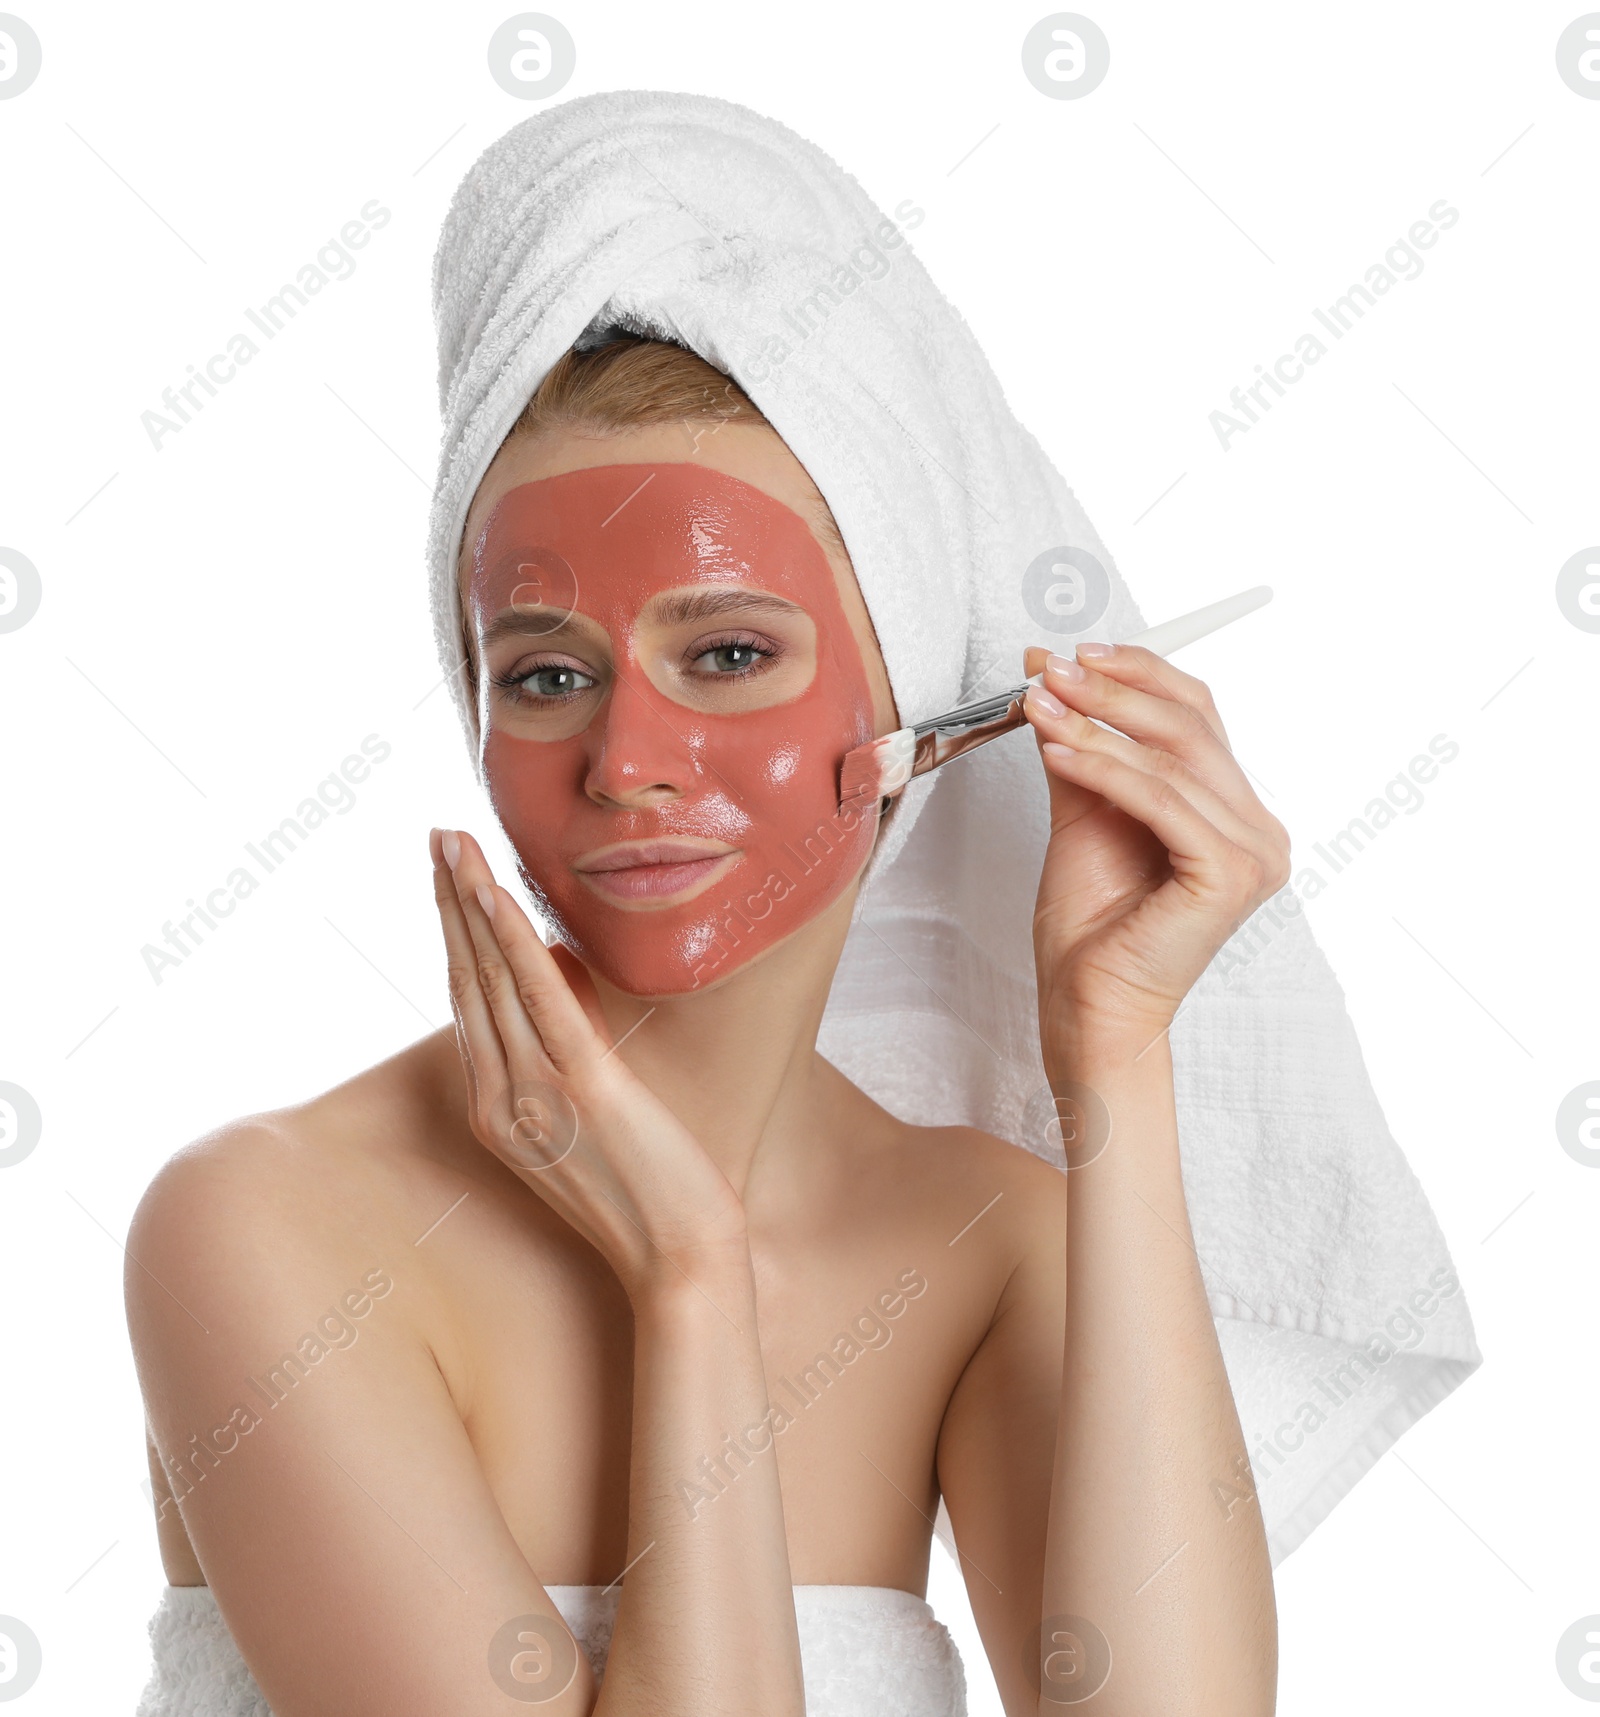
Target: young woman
[618,1307]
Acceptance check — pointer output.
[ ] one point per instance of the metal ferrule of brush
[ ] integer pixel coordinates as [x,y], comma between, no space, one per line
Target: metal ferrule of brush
[958,730]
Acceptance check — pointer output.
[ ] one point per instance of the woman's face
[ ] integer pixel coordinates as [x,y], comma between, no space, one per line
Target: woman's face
[670,670]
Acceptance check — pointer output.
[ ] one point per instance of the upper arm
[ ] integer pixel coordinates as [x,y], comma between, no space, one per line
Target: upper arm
[996,1451]
[322,1470]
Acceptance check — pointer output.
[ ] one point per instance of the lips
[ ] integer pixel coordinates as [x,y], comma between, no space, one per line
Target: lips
[653,871]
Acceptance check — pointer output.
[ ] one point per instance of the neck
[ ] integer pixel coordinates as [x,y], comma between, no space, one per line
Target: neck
[737,1064]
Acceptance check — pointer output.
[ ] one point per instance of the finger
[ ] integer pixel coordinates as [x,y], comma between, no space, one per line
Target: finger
[524,1051]
[1154,715]
[1145,666]
[1137,666]
[1142,669]
[1138,691]
[1060,725]
[477,1038]
[541,1022]
[1202,855]
[1068,801]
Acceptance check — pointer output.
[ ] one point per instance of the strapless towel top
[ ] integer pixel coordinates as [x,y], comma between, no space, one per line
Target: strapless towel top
[865,1651]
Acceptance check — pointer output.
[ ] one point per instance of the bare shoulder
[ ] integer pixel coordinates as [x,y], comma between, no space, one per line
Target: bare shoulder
[1019,1197]
[953,1151]
[313,1186]
[970,1154]
[958,1159]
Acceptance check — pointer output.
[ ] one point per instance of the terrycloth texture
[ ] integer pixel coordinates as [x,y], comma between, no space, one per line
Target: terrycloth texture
[694,219]
[196,1669]
[866,1651]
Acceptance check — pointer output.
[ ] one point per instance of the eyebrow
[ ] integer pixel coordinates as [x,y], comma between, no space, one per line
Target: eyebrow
[538,620]
[707,603]
[677,609]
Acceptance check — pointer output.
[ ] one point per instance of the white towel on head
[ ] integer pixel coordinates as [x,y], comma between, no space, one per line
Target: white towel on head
[693,219]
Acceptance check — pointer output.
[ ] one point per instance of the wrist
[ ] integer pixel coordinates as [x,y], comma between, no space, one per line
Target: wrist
[1091,1014]
[692,1282]
[1089,1047]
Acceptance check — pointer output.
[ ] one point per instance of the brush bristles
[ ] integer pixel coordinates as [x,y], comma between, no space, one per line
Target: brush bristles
[878,769]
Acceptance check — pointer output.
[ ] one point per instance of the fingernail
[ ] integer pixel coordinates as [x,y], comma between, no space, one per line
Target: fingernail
[486,899]
[1096,649]
[1044,703]
[1064,668]
[1058,750]
[450,845]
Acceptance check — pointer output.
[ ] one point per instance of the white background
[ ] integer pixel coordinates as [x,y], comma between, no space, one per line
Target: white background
[225,619]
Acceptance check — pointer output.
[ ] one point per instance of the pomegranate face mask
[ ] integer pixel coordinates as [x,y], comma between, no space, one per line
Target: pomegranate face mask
[667,688]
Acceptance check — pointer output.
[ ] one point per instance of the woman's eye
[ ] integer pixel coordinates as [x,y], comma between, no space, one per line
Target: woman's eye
[735,657]
[554,682]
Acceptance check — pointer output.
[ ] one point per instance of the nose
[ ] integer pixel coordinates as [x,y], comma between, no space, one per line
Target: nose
[638,752]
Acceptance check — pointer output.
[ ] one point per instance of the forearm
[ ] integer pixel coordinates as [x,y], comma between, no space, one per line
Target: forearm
[1148,1439]
[706,1624]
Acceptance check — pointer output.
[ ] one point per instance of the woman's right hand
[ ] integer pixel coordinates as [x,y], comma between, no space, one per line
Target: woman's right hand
[548,1096]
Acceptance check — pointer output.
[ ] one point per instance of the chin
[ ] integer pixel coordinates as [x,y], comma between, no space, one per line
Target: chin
[645,975]
[648,981]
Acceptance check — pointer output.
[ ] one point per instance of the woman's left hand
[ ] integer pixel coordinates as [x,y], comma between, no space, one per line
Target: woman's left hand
[1159,847]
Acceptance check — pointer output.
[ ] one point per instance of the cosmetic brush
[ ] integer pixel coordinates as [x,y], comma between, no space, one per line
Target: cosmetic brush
[882,767]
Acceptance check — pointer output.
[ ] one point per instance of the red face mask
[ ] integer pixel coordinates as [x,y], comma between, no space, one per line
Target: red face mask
[629,693]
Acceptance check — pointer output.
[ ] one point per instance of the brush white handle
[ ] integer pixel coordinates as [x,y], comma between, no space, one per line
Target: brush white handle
[1172,635]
